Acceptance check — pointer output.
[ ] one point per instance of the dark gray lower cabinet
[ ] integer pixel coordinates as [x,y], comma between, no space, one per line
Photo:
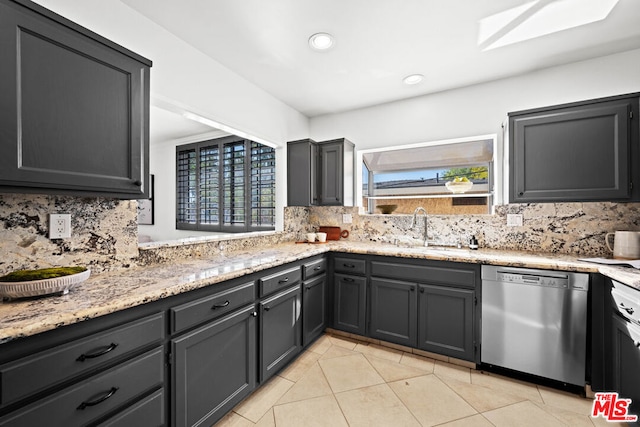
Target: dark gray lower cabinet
[314,308]
[214,368]
[445,321]
[88,401]
[350,303]
[280,333]
[150,411]
[394,311]
[626,361]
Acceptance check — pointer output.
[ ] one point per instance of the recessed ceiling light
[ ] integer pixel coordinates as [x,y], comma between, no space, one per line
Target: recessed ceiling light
[413,79]
[321,41]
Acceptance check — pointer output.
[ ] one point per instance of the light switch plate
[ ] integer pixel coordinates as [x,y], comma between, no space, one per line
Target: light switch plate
[514,220]
[347,219]
[59,226]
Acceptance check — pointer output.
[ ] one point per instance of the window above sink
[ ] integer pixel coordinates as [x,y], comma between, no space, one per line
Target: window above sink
[456,176]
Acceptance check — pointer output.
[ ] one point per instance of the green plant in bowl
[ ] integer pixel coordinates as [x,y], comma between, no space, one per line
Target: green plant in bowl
[44,273]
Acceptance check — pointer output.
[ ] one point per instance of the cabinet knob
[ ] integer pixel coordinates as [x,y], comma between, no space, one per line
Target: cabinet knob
[521,193]
[422,290]
[267,308]
[636,343]
[413,288]
[137,183]
[254,314]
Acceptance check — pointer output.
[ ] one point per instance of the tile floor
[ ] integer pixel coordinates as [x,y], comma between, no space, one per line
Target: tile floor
[340,381]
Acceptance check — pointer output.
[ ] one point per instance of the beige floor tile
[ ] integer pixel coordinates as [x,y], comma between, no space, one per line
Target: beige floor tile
[374,406]
[472,421]
[318,412]
[507,385]
[416,361]
[480,397]
[567,401]
[393,371]
[298,367]
[431,401]
[380,351]
[460,373]
[267,420]
[569,418]
[312,384]
[261,401]
[337,351]
[321,345]
[233,420]
[523,414]
[344,342]
[349,372]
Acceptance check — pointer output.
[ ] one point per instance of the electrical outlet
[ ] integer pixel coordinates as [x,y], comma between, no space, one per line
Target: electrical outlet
[514,220]
[347,218]
[59,226]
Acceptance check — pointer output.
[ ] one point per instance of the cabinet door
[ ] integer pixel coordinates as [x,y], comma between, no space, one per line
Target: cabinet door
[302,173]
[314,309]
[331,174]
[75,111]
[280,333]
[445,321]
[577,153]
[214,368]
[350,303]
[626,361]
[394,310]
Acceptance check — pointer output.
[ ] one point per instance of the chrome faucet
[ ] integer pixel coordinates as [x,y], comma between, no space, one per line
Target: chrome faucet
[426,222]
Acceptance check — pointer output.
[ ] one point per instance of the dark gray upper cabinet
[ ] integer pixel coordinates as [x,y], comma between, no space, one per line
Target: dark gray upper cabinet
[584,151]
[75,108]
[320,173]
[302,173]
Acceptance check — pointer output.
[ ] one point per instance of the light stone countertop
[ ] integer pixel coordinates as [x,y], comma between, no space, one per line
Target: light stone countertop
[110,292]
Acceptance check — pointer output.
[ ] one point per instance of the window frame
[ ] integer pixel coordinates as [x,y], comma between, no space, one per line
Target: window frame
[221,225]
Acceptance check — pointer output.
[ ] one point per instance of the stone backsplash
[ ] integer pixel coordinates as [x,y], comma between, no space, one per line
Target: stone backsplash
[565,228]
[104,231]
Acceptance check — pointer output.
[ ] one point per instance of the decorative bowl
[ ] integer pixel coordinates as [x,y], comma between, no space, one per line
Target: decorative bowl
[33,288]
[387,209]
[459,187]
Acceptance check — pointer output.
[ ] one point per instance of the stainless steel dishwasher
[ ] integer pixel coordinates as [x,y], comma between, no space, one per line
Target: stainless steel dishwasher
[535,321]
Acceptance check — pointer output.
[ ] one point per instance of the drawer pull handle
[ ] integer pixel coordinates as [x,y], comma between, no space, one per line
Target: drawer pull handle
[349,265]
[98,353]
[98,400]
[349,279]
[629,310]
[285,280]
[223,305]
[318,268]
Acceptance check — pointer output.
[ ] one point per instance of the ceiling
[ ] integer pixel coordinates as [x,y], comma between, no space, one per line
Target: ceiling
[453,43]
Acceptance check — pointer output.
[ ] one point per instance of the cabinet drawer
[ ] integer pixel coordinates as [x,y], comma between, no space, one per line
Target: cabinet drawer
[88,400]
[626,301]
[34,373]
[150,411]
[279,280]
[445,275]
[349,265]
[314,268]
[196,312]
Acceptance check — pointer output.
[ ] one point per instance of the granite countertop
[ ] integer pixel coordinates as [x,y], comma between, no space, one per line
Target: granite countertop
[110,292]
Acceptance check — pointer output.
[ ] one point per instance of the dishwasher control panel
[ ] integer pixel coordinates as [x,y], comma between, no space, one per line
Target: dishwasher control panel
[534,279]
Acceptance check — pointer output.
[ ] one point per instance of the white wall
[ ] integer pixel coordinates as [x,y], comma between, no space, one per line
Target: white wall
[479,109]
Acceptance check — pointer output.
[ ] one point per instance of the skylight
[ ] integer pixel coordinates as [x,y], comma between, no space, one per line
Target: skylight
[539,18]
